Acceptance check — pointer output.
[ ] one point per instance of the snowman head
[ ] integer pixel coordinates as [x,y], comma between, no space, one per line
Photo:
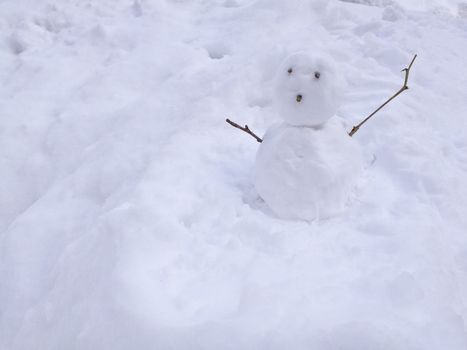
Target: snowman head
[308,90]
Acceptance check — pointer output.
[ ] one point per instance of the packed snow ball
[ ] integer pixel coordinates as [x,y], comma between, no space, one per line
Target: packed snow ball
[307,173]
[307,166]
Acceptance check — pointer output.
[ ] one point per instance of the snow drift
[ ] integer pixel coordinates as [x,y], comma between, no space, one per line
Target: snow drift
[128,216]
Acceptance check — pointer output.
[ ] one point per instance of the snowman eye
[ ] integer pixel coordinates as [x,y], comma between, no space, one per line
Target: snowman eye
[290,70]
[317,75]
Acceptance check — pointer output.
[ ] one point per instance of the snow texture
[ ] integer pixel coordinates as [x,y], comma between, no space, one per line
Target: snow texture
[128,215]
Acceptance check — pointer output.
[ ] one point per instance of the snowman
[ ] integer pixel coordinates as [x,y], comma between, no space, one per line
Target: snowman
[307,166]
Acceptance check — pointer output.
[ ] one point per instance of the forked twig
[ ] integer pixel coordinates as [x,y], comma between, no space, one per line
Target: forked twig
[402,89]
[245,129]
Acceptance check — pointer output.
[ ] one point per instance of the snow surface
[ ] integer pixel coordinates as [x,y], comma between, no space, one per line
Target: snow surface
[128,218]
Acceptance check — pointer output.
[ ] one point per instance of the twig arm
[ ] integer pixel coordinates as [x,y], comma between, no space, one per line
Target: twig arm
[245,129]
[407,71]
[401,90]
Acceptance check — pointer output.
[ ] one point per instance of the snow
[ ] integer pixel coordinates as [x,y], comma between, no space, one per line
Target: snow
[128,215]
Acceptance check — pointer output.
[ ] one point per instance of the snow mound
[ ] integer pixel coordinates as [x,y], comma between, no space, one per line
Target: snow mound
[128,214]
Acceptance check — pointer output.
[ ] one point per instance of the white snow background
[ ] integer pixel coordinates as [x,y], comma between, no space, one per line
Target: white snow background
[128,218]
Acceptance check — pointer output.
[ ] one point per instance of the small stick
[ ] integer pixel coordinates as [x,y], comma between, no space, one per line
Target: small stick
[245,129]
[402,89]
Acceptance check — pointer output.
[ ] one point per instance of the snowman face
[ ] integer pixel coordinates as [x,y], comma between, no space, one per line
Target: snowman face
[308,90]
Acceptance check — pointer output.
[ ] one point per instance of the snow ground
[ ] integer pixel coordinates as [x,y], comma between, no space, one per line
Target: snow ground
[128,219]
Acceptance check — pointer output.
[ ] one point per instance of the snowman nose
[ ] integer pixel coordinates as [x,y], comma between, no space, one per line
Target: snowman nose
[299,98]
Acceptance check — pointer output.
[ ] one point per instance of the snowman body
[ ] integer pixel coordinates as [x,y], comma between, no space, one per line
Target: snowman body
[307,166]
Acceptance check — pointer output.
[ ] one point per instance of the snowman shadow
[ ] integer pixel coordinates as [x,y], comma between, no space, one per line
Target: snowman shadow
[256,203]
[251,198]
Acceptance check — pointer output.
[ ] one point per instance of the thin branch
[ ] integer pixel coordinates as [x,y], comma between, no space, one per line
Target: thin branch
[245,129]
[401,90]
